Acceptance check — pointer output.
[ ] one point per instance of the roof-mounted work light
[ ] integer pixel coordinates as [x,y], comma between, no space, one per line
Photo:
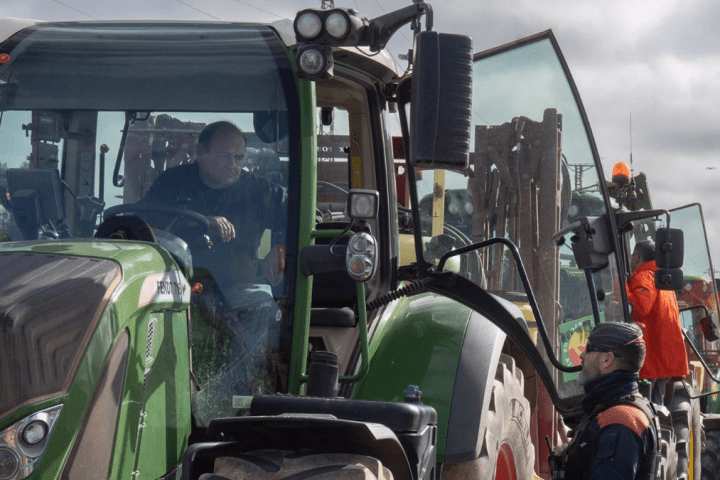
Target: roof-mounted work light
[316,32]
[339,26]
[308,25]
[314,62]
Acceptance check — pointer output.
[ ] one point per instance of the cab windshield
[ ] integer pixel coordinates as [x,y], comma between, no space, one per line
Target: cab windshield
[92,115]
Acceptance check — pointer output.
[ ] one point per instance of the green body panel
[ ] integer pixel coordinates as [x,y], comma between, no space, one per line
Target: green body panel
[158,446]
[306,222]
[418,343]
[75,403]
[156,379]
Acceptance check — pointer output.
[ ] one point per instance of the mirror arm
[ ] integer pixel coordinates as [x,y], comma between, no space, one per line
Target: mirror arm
[664,247]
[623,218]
[422,265]
[702,360]
[593,296]
[119,180]
[528,290]
[382,28]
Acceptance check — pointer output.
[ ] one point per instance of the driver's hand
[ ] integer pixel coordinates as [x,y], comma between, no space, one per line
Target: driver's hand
[221,227]
[274,264]
[560,449]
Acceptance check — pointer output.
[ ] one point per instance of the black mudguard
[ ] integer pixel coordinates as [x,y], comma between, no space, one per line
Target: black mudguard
[479,357]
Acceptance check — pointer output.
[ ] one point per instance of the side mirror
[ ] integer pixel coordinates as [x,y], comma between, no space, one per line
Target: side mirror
[590,243]
[441,101]
[669,253]
[669,247]
[708,329]
[698,322]
[669,279]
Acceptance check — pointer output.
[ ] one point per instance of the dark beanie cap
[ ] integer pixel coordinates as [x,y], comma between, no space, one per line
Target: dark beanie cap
[608,336]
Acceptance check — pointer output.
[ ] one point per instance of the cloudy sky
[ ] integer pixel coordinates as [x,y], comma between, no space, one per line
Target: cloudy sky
[658,60]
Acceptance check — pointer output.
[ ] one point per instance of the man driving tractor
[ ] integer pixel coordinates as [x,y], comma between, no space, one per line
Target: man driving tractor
[240,207]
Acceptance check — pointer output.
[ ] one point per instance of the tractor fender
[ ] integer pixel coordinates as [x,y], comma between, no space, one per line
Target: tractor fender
[479,358]
[451,352]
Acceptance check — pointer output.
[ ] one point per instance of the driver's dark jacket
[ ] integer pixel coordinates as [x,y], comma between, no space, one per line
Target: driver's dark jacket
[252,204]
[619,443]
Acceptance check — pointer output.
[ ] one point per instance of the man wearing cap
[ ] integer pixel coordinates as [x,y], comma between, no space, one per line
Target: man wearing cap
[656,311]
[618,437]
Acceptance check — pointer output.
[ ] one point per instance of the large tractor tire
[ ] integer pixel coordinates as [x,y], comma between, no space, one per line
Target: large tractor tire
[687,425]
[668,454]
[711,456]
[507,451]
[698,439]
[276,464]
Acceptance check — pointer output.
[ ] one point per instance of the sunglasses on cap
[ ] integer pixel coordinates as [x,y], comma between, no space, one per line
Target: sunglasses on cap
[589,347]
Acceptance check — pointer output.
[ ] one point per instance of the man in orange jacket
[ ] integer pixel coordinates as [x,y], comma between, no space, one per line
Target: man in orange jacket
[656,311]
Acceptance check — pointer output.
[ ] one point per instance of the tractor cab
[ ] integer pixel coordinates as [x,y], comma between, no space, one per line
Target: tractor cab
[94,114]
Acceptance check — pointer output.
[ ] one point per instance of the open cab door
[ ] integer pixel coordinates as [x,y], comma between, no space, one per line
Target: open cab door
[537,241]
[534,170]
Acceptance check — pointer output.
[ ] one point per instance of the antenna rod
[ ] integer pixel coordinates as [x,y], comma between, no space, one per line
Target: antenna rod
[631,162]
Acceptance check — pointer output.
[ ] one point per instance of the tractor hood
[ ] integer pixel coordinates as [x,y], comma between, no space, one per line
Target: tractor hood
[49,306]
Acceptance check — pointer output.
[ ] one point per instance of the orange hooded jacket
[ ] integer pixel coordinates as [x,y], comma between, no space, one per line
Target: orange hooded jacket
[656,311]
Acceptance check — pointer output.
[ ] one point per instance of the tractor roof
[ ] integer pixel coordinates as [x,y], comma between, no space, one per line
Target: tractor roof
[10,26]
[379,64]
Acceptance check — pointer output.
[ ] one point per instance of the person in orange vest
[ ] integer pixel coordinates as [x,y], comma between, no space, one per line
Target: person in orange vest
[618,437]
[656,312]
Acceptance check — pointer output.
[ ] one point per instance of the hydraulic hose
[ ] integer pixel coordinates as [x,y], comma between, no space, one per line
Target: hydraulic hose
[414,287]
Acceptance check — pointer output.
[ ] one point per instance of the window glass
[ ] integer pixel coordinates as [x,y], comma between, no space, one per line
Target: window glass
[110,116]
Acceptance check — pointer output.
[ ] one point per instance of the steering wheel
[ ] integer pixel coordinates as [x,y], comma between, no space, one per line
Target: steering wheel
[195,225]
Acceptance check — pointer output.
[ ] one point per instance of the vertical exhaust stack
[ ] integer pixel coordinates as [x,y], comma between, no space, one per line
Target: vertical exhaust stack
[323,375]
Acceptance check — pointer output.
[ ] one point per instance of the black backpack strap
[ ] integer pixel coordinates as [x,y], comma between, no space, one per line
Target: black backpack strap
[648,470]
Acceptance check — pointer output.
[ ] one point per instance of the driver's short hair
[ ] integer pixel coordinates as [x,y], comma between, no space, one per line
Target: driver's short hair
[630,357]
[645,249]
[207,135]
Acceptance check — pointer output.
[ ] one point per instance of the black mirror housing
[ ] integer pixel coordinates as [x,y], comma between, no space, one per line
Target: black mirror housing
[669,279]
[708,328]
[441,96]
[591,244]
[669,248]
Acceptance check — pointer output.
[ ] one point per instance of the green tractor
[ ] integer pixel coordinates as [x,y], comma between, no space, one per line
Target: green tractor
[134,346]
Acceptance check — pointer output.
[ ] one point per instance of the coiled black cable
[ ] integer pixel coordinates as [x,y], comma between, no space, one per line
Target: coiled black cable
[394,295]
